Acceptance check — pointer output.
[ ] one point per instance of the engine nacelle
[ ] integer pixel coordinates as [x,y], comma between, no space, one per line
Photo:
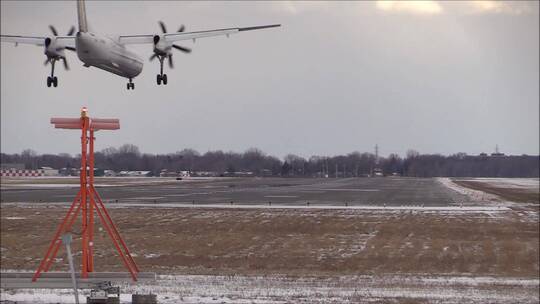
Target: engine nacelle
[161,46]
[53,48]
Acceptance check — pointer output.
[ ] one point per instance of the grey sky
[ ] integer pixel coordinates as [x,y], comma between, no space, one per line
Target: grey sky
[438,77]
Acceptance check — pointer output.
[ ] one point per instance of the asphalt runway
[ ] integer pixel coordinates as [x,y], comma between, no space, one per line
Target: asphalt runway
[389,191]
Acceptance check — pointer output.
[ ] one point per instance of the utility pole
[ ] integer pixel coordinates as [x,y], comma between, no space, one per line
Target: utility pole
[376,154]
[336,170]
[66,239]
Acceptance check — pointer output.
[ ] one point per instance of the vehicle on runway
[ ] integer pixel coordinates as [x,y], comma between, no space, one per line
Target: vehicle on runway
[110,54]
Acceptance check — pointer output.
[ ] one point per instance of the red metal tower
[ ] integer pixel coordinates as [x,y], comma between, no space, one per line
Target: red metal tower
[87,201]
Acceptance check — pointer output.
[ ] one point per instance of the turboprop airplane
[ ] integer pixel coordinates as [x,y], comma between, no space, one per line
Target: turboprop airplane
[110,53]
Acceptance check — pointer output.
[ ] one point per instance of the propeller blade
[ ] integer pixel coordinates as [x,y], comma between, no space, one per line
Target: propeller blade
[171,65]
[66,66]
[53,30]
[70,48]
[182,28]
[46,61]
[71,31]
[153,57]
[181,48]
[163,28]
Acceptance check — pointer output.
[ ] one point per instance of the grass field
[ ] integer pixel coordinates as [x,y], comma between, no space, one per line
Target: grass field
[387,255]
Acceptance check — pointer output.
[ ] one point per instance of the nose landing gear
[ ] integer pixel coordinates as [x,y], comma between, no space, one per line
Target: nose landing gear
[52,80]
[130,85]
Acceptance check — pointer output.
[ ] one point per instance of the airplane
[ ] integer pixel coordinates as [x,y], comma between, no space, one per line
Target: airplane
[110,53]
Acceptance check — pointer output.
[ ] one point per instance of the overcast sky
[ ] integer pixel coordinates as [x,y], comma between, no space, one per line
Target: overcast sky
[437,77]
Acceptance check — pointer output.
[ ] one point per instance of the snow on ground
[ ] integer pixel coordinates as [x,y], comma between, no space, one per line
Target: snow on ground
[532,184]
[343,289]
[420,208]
[474,195]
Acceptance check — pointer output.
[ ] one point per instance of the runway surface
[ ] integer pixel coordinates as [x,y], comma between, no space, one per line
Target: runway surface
[390,191]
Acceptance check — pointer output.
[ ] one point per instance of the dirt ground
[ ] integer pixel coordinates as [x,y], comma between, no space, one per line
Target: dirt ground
[294,242]
[511,194]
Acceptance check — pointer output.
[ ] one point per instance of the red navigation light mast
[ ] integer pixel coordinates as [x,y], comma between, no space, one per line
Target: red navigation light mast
[87,200]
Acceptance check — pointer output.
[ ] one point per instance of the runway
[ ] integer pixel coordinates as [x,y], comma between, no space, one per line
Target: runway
[395,191]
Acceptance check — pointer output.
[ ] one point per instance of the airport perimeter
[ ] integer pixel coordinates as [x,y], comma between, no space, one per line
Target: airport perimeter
[374,239]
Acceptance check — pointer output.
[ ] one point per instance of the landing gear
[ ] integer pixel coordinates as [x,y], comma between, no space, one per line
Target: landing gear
[130,85]
[161,78]
[52,80]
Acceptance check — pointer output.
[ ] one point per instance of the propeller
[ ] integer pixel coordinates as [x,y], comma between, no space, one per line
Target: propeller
[66,66]
[157,38]
[71,31]
[163,28]
[53,30]
[181,48]
[54,55]
[55,33]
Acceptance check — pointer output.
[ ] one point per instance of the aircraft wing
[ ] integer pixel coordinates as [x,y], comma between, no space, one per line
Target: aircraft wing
[172,37]
[39,41]
[23,39]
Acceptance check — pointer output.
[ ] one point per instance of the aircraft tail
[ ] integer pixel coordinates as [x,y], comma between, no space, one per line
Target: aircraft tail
[81,14]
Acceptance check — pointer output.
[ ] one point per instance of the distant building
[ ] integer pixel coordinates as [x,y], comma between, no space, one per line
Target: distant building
[167,173]
[135,173]
[48,171]
[377,172]
[239,174]
[109,173]
[497,153]
[69,171]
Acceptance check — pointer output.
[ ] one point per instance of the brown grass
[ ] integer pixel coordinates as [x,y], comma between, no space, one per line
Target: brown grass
[293,242]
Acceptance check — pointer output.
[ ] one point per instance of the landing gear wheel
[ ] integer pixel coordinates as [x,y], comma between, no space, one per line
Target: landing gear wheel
[128,86]
[158,79]
[164,78]
[49,81]
[133,86]
[55,81]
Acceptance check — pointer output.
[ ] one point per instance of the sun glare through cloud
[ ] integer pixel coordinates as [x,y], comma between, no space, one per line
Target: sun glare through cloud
[416,7]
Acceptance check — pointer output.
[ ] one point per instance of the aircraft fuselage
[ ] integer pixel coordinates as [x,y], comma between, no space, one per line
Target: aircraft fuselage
[107,54]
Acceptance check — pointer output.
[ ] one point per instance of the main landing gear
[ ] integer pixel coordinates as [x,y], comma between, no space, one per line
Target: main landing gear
[52,80]
[161,78]
[130,85]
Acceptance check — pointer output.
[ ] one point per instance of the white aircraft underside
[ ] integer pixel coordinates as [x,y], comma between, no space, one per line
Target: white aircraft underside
[111,54]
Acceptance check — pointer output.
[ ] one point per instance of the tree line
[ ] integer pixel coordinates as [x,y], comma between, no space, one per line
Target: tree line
[128,157]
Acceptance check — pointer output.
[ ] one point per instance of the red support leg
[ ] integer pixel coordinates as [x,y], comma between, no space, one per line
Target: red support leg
[91,237]
[59,230]
[100,202]
[59,241]
[115,242]
[91,204]
[84,191]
